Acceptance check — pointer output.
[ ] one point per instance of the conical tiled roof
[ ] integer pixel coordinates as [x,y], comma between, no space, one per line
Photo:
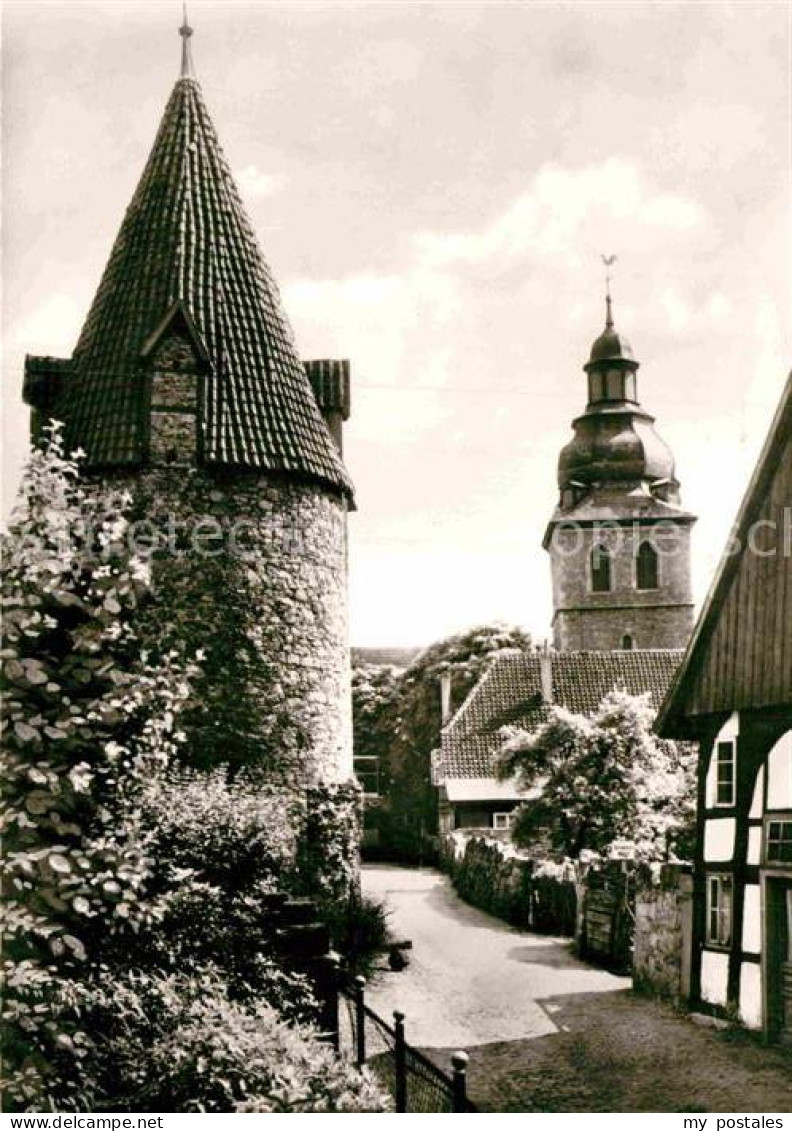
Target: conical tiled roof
[186,239]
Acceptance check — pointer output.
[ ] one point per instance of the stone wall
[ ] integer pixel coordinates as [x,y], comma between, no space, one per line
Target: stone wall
[251,568]
[663,934]
[490,874]
[595,629]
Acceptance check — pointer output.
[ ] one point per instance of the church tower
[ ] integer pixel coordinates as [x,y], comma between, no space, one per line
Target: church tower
[186,389]
[619,540]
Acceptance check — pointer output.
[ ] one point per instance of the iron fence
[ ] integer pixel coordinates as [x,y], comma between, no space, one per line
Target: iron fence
[413,1081]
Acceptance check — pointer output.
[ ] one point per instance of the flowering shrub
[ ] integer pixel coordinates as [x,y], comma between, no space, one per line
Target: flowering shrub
[86,720]
[603,779]
[116,856]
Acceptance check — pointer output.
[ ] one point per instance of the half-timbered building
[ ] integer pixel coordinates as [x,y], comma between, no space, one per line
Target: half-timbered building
[733,694]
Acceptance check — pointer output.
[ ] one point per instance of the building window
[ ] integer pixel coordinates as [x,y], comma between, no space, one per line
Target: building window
[614,385]
[627,642]
[600,570]
[367,773]
[778,840]
[596,387]
[719,910]
[501,820]
[646,566]
[725,768]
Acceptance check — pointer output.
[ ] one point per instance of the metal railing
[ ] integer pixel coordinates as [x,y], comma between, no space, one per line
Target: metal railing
[413,1081]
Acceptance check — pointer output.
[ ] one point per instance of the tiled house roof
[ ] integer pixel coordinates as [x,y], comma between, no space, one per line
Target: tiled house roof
[385,657]
[511,694]
[186,240]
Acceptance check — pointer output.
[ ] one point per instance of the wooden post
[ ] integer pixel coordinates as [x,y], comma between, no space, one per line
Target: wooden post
[459,1062]
[400,1059]
[360,1020]
[328,997]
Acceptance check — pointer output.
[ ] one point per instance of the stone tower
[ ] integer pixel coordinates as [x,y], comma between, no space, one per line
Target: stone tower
[186,388]
[619,540]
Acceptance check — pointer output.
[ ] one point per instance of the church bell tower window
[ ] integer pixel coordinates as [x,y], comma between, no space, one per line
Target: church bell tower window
[646,566]
[600,570]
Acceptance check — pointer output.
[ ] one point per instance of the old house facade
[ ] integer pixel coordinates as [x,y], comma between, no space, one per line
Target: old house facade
[619,539]
[186,388]
[733,695]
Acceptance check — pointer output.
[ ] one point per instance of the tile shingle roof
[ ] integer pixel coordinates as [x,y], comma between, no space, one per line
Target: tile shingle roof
[510,693]
[186,238]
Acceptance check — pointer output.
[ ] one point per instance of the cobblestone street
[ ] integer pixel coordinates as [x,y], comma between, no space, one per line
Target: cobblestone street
[545,1031]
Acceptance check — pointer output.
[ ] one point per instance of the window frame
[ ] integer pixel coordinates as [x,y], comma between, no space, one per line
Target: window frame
[717,801]
[375,770]
[509,817]
[655,566]
[601,550]
[721,886]
[782,817]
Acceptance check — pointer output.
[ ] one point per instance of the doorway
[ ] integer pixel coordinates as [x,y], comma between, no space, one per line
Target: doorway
[779,959]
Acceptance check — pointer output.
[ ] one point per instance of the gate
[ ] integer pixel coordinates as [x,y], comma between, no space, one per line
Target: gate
[413,1081]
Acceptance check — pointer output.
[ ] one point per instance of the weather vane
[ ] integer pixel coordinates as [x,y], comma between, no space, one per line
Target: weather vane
[608,260]
[185,31]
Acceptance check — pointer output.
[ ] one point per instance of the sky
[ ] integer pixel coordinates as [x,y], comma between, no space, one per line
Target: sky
[433,185]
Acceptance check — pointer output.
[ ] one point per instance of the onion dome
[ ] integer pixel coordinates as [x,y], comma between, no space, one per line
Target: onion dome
[616,447]
[610,346]
[614,439]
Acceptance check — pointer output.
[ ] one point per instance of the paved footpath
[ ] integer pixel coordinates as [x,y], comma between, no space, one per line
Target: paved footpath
[545,1031]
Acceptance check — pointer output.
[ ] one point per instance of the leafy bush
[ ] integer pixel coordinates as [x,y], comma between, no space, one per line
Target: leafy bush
[180,1043]
[603,779]
[329,852]
[360,931]
[117,857]
[86,721]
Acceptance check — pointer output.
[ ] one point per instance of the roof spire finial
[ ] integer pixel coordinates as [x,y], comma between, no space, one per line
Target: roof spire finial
[608,260]
[185,31]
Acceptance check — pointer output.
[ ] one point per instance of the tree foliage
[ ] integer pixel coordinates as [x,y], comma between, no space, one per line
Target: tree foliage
[603,779]
[134,888]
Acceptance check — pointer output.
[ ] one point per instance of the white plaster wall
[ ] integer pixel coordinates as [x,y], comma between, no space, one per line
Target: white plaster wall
[779,774]
[757,804]
[752,920]
[714,976]
[751,995]
[754,854]
[729,730]
[719,839]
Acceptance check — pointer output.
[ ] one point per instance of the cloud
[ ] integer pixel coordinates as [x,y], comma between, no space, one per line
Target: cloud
[466,375]
[255,185]
[561,211]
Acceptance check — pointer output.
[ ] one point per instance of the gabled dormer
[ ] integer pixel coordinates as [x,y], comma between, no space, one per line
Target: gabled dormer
[175,364]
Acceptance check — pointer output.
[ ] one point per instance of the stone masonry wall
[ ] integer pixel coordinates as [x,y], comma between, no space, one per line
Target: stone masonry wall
[253,571]
[663,928]
[588,630]
[654,618]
